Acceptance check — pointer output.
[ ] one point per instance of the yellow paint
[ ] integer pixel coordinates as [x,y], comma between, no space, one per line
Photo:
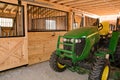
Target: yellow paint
[60,65]
[105,29]
[92,34]
[105,74]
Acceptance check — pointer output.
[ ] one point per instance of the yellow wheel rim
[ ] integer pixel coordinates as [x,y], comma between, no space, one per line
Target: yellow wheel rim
[105,73]
[60,65]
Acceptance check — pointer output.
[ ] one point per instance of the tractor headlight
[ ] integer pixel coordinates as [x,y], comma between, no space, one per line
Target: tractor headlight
[64,39]
[78,41]
[72,40]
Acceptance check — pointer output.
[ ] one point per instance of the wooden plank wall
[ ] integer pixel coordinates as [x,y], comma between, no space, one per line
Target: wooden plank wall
[78,20]
[89,21]
[13,50]
[35,47]
[41,45]
[12,53]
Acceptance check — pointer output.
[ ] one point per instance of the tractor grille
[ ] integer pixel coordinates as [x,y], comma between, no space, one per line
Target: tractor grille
[78,47]
[66,47]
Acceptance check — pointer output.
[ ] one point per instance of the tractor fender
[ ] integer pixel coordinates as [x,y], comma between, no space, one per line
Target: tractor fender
[104,53]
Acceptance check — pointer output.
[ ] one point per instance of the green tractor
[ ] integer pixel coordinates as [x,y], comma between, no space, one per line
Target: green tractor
[85,48]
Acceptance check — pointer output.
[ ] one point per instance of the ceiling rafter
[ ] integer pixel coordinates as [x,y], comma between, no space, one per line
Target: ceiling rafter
[52,0]
[96,4]
[76,2]
[43,12]
[12,10]
[5,7]
[90,3]
[100,11]
[63,1]
[49,12]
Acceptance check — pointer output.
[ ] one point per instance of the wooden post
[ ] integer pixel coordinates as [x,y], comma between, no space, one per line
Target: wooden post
[70,20]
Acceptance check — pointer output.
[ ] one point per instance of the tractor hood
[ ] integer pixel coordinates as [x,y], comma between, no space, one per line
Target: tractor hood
[81,32]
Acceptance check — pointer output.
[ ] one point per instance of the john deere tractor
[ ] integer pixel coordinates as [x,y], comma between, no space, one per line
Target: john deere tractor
[86,48]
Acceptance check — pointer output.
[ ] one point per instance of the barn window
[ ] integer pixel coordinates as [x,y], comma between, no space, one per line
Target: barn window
[11,20]
[6,22]
[50,24]
[46,19]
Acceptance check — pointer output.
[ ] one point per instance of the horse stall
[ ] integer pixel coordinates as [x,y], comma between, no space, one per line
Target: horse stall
[45,24]
[13,41]
[29,31]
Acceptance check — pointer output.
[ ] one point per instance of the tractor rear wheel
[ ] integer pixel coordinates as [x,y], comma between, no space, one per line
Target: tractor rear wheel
[55,64]
[100,70]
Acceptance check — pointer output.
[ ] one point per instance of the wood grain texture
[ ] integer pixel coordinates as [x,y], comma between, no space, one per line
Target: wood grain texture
[99,7]
[41,45]
[12,53]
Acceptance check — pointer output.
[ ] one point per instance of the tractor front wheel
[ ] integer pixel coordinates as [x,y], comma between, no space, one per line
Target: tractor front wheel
[100,70]
[55,64]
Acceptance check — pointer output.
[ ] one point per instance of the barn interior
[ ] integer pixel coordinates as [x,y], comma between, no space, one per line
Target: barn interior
[29,31]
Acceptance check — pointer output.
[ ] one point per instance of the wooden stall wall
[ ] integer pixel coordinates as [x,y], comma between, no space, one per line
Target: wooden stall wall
[13,50]
[35,46]
[41,45]
[77,19]
[12,53]
[89,21]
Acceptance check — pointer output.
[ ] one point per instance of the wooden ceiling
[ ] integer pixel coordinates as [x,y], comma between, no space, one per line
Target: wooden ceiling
[7,10]
[99,7]
[43,12]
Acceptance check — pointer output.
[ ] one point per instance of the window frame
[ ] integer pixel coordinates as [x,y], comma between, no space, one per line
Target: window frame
[66,28]
[23,19]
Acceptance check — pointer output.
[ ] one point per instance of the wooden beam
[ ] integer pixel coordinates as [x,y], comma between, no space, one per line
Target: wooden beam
[110,3]
[53,13]
[88,3]
[44,12]
[32,9]
[7,15]
[36,10]
[12,10]
[76,2]
[52,0]
[49,12]
[50,5]
[101,11]
[96,7]
[63,1]
[5,7]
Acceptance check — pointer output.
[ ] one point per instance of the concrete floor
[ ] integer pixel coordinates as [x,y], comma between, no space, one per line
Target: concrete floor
[40,71]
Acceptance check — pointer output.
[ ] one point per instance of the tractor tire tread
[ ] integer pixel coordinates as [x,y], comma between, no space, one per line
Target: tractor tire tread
[97,69]
[53,63]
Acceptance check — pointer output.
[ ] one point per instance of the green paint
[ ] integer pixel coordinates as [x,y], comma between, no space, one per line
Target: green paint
[114,41]
[91,37]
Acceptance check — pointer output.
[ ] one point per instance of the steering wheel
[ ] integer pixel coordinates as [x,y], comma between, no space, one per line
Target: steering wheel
[100,26]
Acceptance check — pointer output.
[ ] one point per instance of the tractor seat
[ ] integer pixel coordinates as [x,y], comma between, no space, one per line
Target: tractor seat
[105,31]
